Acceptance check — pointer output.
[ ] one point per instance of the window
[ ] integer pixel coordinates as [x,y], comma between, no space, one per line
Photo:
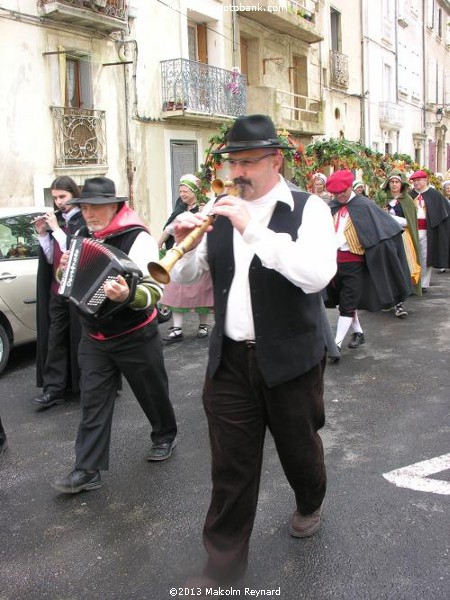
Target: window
[249,51]
[387,9]
[418,155]
[77,82]
[387,83]
[243,42]
[197,46]
[300,83]
[432,81]
[430,14]
[18,238]
[336,39]
[183,159]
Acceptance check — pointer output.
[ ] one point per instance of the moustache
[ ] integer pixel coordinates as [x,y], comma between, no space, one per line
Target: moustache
[242,181]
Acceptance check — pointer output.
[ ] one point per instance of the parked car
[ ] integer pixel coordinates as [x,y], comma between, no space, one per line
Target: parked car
[19,249]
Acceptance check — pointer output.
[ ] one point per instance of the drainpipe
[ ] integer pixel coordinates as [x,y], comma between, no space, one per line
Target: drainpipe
[122,52]
[129,155]
[362,133]
[424,71]
[234,33]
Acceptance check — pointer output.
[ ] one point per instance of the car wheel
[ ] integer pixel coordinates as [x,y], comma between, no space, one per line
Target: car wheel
[5,347]
[164,313]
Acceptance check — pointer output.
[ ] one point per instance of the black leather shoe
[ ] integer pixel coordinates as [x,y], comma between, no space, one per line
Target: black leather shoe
[77,481]
[357,340]
[47,400]
[161,451]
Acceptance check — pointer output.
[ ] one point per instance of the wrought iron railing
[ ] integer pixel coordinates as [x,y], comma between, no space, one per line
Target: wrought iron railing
[339,68]
[197,87]
[80,136]
[111,8]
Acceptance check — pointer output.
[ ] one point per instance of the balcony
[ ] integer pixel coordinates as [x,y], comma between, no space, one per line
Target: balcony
[391,115]
[297,114]
[199,92]
[80,137]
[104,16]
[339,69]
[296,18]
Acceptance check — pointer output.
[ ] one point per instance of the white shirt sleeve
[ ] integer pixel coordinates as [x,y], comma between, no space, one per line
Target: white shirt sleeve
[61,238]
[400,220]
[143,251]
[310,261]
[46,243]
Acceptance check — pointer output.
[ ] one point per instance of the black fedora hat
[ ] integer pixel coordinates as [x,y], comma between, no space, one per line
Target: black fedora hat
[251,132]
[98,190]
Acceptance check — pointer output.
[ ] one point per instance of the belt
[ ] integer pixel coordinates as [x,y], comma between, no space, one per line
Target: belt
[247,344]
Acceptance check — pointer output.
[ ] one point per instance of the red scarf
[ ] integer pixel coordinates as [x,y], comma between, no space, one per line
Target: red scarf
[342,212]
[123,220]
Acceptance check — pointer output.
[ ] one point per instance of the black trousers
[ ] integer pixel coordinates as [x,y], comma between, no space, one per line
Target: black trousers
[349,282]
[138,356]
[239,407]
[56,367]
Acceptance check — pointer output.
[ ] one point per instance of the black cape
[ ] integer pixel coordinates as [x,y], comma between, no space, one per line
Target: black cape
[438,228]
[43,284]
[387,279]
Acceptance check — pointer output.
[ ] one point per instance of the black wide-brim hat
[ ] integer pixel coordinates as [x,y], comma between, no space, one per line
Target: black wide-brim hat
[98,190]
[251,132]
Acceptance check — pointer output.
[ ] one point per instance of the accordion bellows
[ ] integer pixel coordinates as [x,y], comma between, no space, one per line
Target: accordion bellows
[90,265]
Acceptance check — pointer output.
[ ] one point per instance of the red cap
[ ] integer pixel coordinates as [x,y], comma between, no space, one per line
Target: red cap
[339,181]
[419,175]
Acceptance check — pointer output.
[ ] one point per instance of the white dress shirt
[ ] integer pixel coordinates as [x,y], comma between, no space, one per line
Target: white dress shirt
[400,220]
[309,262]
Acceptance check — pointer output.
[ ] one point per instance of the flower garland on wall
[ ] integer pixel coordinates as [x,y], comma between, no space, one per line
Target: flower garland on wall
[332,154]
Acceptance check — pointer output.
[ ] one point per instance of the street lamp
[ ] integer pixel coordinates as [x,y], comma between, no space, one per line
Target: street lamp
[439,115]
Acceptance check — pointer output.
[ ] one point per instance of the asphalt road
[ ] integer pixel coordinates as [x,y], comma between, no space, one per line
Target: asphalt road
[139,536]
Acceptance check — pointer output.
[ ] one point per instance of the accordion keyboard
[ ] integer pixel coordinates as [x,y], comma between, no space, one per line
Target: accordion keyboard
[99,296]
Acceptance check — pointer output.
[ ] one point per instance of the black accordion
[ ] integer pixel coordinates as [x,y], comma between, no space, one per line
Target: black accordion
[90,265]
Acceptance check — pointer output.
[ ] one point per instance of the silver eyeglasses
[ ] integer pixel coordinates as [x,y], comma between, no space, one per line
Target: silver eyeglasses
[246,162]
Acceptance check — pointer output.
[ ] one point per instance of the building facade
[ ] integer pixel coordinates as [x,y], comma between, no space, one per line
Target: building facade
[135,89]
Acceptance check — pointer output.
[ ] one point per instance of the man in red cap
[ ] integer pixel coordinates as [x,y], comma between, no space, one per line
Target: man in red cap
[372,269]
[433,222]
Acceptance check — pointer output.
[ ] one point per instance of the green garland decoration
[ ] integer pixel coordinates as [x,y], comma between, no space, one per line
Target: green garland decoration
[336,154]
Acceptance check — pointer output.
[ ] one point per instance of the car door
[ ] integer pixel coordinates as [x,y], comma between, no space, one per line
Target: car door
[18,267]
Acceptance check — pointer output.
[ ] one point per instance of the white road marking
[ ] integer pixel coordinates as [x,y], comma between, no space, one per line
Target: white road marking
[415,477]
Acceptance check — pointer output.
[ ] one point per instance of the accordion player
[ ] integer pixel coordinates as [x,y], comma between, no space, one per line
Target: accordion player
[90,265]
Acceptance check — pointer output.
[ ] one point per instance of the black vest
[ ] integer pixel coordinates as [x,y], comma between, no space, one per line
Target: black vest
[127,318]
[288,332]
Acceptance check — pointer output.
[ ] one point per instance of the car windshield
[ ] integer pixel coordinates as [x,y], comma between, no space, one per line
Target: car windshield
[18,237]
